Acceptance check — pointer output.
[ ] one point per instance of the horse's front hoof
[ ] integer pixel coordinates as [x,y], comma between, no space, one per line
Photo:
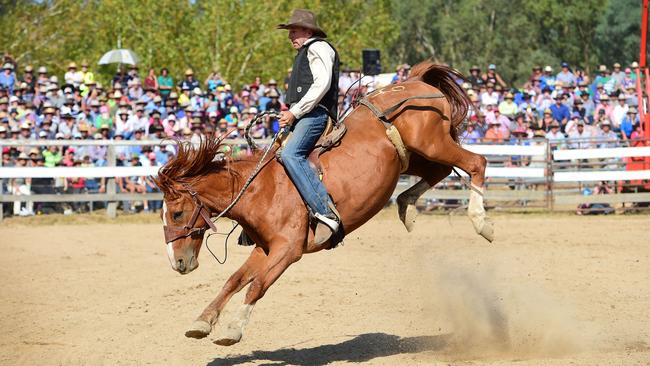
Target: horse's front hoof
[199,329]
[229,336]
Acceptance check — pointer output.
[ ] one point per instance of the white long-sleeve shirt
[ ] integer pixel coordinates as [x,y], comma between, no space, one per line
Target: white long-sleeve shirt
[321,61]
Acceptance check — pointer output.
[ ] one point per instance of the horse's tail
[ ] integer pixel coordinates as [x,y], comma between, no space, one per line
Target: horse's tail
[444,78]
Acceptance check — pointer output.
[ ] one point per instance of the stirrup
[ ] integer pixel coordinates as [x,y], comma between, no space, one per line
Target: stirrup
[325,228]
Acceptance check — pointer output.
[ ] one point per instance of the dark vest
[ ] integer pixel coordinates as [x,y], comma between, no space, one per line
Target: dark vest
[301,80]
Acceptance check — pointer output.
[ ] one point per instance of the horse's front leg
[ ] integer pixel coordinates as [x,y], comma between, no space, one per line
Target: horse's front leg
[202,326]
[276,263]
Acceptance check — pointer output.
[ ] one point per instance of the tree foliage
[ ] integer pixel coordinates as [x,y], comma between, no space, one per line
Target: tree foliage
[239,38]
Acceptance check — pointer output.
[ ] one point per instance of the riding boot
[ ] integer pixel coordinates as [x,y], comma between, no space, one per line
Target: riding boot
[327,226]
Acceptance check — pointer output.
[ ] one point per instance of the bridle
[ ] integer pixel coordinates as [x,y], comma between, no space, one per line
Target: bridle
[173,233]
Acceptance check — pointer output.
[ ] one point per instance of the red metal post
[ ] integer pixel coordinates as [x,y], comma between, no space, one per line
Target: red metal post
[644,117]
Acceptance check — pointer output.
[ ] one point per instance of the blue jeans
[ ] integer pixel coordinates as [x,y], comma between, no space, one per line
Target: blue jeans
[306,132]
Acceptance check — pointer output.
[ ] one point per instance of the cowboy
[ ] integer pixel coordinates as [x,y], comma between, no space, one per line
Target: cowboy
[312,95]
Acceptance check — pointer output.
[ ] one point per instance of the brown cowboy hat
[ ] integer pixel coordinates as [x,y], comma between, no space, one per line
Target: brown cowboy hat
[306,19]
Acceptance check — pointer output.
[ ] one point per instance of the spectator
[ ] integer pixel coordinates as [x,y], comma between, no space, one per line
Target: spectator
[508,107]
[493,77]
[22,187]
[560,111]
[618,76]
[628,122]
[619,112]
[494,133]
[604,106]
[555,136]
[471,135]
[607,137]
[547,80]
[151,81]
[580,137]
[165,84]
[565,76]
[7,77]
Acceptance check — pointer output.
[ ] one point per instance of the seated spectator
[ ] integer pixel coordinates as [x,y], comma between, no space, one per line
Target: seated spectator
[494,133]
[606,137]
[508,107]
[628,122]
[580,138]
[619,112]
[555,136]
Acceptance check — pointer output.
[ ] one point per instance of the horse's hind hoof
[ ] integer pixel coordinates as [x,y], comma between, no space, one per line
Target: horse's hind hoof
[198,330]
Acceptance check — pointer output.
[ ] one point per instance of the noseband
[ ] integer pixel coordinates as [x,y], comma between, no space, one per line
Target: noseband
[173,233]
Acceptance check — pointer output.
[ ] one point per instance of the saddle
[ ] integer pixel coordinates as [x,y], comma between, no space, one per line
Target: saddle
[330,138]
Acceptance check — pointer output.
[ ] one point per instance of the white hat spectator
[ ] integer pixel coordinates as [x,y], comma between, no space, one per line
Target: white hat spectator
[234,109]
[13,99]
[8,66]
[548,68]
[252,110]
[59,135]
[212,114]
[171,117]
[42,70]
[25,126]
[634,65]
[157,99]
[42,134]
[65,111]
[196,91]
[54,79]
[3,129]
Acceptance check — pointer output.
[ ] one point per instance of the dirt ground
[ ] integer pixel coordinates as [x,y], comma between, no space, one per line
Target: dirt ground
[551,290]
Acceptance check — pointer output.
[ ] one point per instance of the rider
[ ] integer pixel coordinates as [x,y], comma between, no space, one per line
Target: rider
[312,94]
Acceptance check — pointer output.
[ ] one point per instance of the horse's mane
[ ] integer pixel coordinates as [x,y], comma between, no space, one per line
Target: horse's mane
[190,163]
[444,78]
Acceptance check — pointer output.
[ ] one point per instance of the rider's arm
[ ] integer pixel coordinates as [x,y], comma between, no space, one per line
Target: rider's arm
[321,61]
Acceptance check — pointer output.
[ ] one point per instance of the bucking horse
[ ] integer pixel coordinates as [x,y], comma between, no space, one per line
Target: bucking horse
[406,128]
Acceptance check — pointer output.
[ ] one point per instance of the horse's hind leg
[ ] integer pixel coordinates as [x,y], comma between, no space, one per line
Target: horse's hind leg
[431,174]
[432,140]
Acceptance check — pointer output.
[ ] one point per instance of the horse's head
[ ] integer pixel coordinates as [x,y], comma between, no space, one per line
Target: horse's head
[195,184]
[185,219]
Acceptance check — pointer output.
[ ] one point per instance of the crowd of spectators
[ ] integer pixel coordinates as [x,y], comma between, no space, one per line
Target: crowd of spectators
[154,105]
[568,108]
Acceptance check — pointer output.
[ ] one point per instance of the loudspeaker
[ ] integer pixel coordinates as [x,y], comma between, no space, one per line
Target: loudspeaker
[371,61]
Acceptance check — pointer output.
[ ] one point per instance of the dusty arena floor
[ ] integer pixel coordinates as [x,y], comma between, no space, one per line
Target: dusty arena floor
[551,290]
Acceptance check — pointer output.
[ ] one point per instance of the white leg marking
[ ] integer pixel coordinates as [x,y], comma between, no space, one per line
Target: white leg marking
[476,213]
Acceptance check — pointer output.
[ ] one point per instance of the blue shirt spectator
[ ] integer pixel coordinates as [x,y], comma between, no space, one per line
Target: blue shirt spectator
[560,111]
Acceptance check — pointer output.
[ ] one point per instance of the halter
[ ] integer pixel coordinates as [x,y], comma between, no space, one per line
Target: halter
[173,233]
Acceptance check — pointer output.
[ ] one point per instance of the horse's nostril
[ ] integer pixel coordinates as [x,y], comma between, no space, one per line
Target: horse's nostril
[181,265]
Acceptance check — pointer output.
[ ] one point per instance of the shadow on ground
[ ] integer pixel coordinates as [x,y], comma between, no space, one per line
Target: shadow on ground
[361,348]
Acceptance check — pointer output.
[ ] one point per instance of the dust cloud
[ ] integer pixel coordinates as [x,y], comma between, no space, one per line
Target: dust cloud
[489,319]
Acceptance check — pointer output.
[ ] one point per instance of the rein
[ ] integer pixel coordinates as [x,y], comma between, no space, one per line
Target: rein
[173,233]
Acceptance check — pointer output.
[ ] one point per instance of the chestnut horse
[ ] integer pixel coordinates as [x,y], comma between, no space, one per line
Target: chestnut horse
[361,173]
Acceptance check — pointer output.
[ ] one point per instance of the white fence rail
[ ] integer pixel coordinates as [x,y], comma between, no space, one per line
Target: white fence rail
[541,169]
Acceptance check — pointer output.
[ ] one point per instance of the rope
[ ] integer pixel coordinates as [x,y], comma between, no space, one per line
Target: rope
[249,140]
[256,171]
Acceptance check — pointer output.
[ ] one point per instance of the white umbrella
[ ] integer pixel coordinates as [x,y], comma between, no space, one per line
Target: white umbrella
[119,56]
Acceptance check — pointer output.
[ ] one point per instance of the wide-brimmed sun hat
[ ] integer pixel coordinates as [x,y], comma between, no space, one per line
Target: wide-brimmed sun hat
[306,19]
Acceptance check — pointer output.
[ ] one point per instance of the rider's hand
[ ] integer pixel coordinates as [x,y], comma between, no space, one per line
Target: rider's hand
[286,119]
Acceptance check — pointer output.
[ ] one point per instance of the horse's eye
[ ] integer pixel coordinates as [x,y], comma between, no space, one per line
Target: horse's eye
[177,215]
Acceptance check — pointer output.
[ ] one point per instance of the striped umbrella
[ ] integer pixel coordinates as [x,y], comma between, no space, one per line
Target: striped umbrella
[119,56]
